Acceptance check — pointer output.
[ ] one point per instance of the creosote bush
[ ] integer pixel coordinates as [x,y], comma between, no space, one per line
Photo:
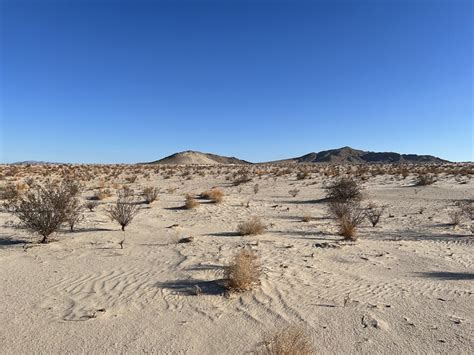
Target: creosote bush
[425,179]
[243,272]
[344,190]
[124,210]
[215,195]
[373,213]
[350,220]
[43,209]
[254,226]
[292,340]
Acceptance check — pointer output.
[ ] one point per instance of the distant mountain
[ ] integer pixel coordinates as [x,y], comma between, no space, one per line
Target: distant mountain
[33,162]
[190,157]
[348,155]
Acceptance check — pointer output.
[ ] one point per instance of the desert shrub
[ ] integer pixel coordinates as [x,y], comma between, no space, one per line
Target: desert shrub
[467,208]
[338,209]
[253,226]
[343,190]
[101,194]
[91,205]
[74,214]
[350,220]
[301,175]
[255,189]
[123,211]
[131,179]
[43,209]
[215,195]
[424,179]
[9,192]
[150,194]
[293,192]
[373,214]
[455,217]
[242,179]
[243,272]
[190,202]
[292,340]
[306,218]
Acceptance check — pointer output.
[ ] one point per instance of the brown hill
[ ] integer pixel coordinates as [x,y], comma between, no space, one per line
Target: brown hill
[190,157]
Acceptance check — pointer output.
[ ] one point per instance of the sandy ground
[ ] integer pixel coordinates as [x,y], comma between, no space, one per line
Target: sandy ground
[406,286]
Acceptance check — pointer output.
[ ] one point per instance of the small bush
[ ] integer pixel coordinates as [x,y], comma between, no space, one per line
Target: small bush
[190,202]
[91,205]
[251,227]
[150,194]
[123,211]
[455,217]
[294,192]
[9,192]
[349,222]
[241,180]
[302,175]
[306,218]
[102,194]
[74,214]
[425,179]
[373,214]
[255,189]
[243,272]
[289,341]
[215,195]
[344,190]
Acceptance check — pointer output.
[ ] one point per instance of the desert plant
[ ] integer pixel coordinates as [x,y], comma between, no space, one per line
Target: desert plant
[243,272]
[292,340]
[123,211]
[242,179]
[91,205]
[343,190]
[293,192]
[9,192]
[74,214]
[467,208]
[101,194]
[253,226]
[301,175]
[455,217]
[44,208]
[190,202]
[424,179]
[215,195]
[150,194]
[350,220]
[306,218]
[373,214]
[255,189]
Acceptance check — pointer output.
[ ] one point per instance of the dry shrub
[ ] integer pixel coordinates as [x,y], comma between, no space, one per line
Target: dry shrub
[45,208]
[293,192]
[302,175]
[243,272]
[292,340]
[455,217]
[241,180]
[91,205]
[424,179]
[350,220]
[102,194]
[373,213]
[124,210]
[343,190]
[150,194]
[467,208]
[307,218]
[9,192]
[190,202]
[253,226]
[215,195]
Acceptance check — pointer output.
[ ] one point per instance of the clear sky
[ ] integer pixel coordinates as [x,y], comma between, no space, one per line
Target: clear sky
[131,81]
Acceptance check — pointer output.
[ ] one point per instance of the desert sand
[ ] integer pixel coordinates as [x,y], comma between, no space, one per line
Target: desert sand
[404,286]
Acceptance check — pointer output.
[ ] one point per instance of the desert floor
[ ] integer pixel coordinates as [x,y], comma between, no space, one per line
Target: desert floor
[405,286]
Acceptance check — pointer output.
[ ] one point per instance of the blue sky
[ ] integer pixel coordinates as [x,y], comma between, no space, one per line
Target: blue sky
[131,81]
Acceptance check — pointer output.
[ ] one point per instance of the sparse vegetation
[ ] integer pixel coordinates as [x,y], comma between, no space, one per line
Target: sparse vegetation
[294,192]
[215,195]
[124,210]
[425,179]
[345,189]
[253,226]
[373,213]
[243,272]
[150,194]
[91,205]
[190,202]
[292,340]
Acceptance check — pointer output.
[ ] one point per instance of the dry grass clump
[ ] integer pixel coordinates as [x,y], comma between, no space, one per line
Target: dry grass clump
[190,202]
[253,226]
[455,217]
[242,179]
[349,216]
[150,194]
[102,194]
[306,218]
[243,272]
[292,340]
[215,195]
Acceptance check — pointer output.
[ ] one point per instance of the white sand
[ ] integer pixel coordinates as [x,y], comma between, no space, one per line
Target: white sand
[406,286]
